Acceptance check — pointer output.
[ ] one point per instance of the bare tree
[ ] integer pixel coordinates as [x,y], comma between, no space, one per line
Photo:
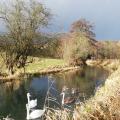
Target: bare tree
[23,19]
[83,26]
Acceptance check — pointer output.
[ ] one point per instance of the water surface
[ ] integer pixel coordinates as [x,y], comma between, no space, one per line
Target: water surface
[13,94]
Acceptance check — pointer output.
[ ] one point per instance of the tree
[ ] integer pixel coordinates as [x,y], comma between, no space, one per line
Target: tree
[79,45]
[23,19]
[83,26]
[77,49]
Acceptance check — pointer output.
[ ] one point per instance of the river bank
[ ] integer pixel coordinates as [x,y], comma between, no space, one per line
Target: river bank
[42,71]
[105,105]
[109,64]
[48,66]
[38,65]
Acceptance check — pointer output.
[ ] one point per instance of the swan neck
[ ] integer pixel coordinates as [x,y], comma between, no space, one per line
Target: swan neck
[28,114]
[63,97]
[28,99]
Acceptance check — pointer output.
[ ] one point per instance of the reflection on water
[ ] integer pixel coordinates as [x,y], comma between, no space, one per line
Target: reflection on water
[86,80]
[12,98]
[13,94]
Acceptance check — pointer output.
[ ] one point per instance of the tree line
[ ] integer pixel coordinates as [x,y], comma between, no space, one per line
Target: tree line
[23,37]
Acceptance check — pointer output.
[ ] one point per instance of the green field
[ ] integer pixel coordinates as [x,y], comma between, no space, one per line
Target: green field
[42,63]
[36,65]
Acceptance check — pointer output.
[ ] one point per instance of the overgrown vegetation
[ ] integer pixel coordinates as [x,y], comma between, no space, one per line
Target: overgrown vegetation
[109,50]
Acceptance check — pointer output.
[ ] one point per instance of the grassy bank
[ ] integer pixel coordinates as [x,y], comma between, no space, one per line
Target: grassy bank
[38,66]
[46,66]
[110,64]
[105,105]
[43,63]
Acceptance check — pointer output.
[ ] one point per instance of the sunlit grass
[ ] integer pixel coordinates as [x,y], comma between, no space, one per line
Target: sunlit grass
[36,64]
[43,63]
[2,64]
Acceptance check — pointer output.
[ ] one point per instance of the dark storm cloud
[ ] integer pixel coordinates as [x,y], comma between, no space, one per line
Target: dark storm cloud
[105,14]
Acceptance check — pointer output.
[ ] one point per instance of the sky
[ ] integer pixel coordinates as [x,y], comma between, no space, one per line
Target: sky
[104,14]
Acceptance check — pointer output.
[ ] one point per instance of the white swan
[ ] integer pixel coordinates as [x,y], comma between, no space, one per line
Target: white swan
[31,103]
[34,114]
